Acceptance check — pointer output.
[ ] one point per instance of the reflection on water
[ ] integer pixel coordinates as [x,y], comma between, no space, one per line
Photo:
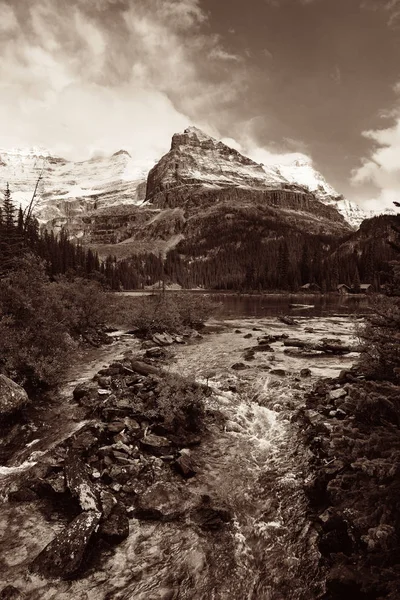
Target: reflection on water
[236,305]
[243,305]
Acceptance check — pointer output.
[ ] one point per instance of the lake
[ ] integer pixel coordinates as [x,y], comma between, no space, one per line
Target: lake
[235,305]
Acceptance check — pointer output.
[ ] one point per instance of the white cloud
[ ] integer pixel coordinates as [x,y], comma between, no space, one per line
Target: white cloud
[382,167]
[110,74]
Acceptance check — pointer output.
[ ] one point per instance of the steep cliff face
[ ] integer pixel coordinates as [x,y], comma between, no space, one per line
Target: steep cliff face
[199,173]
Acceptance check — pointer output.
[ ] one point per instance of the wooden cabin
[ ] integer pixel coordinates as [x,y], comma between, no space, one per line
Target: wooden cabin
[343,289]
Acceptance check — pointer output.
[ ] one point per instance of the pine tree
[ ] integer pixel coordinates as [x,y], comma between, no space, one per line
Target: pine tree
[8,209]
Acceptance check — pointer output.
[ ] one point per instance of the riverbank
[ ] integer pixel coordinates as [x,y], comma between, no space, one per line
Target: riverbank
[250,464]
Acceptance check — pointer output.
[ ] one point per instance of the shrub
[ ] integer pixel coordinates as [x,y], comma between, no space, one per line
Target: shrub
[39,321]
[84,304]
[380,357]
[34,340]
[169,312]
[181,404]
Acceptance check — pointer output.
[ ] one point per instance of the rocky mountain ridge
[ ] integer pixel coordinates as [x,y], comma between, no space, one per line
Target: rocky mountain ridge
[67,190]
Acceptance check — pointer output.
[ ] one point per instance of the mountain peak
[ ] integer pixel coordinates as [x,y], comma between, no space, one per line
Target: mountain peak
[122,152]
[195,131]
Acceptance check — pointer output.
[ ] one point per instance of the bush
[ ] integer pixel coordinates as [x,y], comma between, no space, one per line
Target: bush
[169,312]
[380,357]
[181,404]
[84,304]
[41,321]
[34,340]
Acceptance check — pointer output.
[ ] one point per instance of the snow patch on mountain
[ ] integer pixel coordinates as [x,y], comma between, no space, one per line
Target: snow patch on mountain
[72,186]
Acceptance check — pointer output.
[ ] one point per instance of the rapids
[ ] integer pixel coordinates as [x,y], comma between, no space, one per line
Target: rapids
[255,466]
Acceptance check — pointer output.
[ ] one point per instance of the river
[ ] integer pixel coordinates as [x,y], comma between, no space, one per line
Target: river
[255,466]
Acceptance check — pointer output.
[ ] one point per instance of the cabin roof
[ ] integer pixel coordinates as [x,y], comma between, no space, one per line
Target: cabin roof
[343,285]
[365,286]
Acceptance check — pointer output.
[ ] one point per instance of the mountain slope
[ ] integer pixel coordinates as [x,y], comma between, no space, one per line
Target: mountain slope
[69,190]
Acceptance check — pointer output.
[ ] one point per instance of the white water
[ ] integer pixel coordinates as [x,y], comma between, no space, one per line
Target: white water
[254,465]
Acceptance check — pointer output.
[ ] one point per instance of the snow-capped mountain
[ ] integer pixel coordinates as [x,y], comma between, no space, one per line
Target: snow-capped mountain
[303,173]
[68,189]
[198,159]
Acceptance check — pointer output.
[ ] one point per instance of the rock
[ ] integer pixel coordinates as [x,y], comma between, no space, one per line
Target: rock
[23,494]
[179,339]
[11,593]
[162,501]
[339,393]
[78,481]
[263,347]
[13,397]
[65,554]
[239,366]
[155,352]
[116,426]
[87,388]
[249,355]
[163,339]
[144,369]
[155,444]
[102,392]
[279,372]
[305,373]
[248,336]
[115,527]
[56,481]
[104,382]
[237,331]
[287,320]
[184,464]
[211,518]
[132,425]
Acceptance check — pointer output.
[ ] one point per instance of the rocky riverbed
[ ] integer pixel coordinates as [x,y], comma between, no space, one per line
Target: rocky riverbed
[143,495]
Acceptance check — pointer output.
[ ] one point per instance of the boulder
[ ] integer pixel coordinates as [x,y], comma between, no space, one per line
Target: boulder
[88,388]
[11,593]
[279,372]
[339,393]
[155,352]
[211,518]
[155,444]
[248,336]
[162,501]
[305,373]
[144,369]
[64,555]
[239,366]
[287,320]
[13,397]
[184,464]
[163,339]
[115,527]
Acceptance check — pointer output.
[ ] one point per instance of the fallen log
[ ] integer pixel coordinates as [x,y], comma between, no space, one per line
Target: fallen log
[295,343]
[64,555]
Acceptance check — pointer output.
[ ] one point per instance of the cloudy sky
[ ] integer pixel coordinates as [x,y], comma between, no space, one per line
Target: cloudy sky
[275,78]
